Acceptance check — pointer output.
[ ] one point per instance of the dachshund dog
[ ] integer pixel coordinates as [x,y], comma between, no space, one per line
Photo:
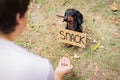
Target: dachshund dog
[74,19]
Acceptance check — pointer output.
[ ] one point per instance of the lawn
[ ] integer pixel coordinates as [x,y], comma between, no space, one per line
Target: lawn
[101,24]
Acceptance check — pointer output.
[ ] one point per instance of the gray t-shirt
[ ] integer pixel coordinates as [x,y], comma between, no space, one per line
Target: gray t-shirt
[17,63]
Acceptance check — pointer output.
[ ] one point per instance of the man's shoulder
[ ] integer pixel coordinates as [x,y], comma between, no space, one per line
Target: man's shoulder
[14,52]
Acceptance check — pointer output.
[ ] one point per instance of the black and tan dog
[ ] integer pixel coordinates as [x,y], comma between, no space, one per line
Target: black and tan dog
[74,20]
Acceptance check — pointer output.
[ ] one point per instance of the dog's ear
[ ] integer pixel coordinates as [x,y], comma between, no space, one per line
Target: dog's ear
[79,17]
[65,17]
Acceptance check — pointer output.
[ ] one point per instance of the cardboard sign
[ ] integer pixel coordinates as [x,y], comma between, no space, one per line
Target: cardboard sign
[72,37]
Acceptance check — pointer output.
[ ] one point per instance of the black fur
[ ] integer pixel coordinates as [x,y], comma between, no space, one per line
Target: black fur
[78,19]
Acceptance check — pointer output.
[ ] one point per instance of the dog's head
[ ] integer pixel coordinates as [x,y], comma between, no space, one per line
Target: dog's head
[71,15]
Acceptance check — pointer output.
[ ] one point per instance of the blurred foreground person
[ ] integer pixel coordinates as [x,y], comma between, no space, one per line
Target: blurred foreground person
[16,63]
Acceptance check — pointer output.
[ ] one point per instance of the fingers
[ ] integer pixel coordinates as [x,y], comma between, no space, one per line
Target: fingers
[60,63]
[68,62]
[64,66]
[64,62]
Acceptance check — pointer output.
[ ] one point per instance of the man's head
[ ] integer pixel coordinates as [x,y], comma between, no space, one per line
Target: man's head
[11,11]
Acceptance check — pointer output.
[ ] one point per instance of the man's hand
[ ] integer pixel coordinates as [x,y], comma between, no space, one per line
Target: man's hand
[63,68]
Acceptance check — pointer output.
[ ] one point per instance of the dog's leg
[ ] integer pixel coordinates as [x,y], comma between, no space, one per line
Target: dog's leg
[79,49]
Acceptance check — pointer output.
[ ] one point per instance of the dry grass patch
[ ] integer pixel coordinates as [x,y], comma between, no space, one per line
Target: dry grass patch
[100,24]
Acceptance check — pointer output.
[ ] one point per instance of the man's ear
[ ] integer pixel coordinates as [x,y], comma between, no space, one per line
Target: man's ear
[79,17]
[18,18]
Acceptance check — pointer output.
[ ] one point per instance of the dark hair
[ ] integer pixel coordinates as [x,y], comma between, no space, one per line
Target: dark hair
[8,12]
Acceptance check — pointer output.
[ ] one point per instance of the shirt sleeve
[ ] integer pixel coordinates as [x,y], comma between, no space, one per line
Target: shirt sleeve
[51,73]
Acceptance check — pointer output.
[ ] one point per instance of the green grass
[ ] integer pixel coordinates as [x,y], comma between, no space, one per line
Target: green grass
[40,37]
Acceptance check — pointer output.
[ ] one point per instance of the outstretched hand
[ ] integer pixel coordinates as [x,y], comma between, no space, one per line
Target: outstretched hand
[63,68]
